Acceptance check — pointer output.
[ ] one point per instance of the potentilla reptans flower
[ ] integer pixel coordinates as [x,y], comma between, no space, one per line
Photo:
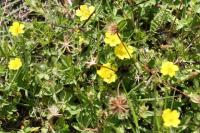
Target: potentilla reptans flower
[16,29]
[168,68]
[171,118]
[85,12]
[15,64]
[124,51]
[112,39]
[107,72]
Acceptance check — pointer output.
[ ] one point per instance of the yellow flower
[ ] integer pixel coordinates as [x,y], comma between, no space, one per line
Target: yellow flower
[107,72]
[81,40]
[112,39]
[171,118]
[168,68]
[15,64]
[16,28]
[84,12]
[121,52]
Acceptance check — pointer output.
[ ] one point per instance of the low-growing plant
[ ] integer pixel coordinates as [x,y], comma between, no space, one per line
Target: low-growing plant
[100,66]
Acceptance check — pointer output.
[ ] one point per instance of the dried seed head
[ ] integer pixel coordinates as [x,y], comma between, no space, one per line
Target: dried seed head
[112,28]
[102,114]
[119,105]
[143,111]
[91,95]
[195,98]
[54,111]
[92,62]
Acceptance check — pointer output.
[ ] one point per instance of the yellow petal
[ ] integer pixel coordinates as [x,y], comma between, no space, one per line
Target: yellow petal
[78,13]
[176,68]
[16,24]
[106,40]
[15,64]
[11,29]
[107,34]
[91,9]
[99,72]
[83,7]
[107,65]
[130,49]
[83,18]
[21,26]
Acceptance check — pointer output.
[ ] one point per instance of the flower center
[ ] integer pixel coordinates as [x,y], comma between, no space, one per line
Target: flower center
[17,30]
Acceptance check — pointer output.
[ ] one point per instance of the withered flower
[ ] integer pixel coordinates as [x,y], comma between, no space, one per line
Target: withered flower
[119,105]
[112,28]
[54,111]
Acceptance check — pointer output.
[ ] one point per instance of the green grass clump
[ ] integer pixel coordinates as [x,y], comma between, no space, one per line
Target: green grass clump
[100,66]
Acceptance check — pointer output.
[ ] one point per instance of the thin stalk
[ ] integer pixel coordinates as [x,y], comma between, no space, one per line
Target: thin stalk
[124,45]
[135,118]
[141,2]
[87,19]
[173,100]
[153,99]
[157,122]
[118,87]
[126,50]
[13,79]
[182,93]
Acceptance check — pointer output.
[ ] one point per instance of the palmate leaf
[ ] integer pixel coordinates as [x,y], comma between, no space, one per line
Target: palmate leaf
[55,68]
[161,18]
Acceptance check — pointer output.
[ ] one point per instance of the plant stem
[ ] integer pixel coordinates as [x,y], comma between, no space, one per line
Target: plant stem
[13,79]
[135,118]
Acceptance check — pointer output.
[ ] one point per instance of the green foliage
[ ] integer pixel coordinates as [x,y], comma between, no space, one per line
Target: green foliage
[161,18]
[57,89]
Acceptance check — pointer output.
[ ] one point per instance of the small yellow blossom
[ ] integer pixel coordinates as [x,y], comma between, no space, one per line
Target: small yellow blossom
[168,68]
[84,12]
[15,64]
[112,39]
[16,29]
[81,40]
[107,72]
[171,118]
[121,52]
